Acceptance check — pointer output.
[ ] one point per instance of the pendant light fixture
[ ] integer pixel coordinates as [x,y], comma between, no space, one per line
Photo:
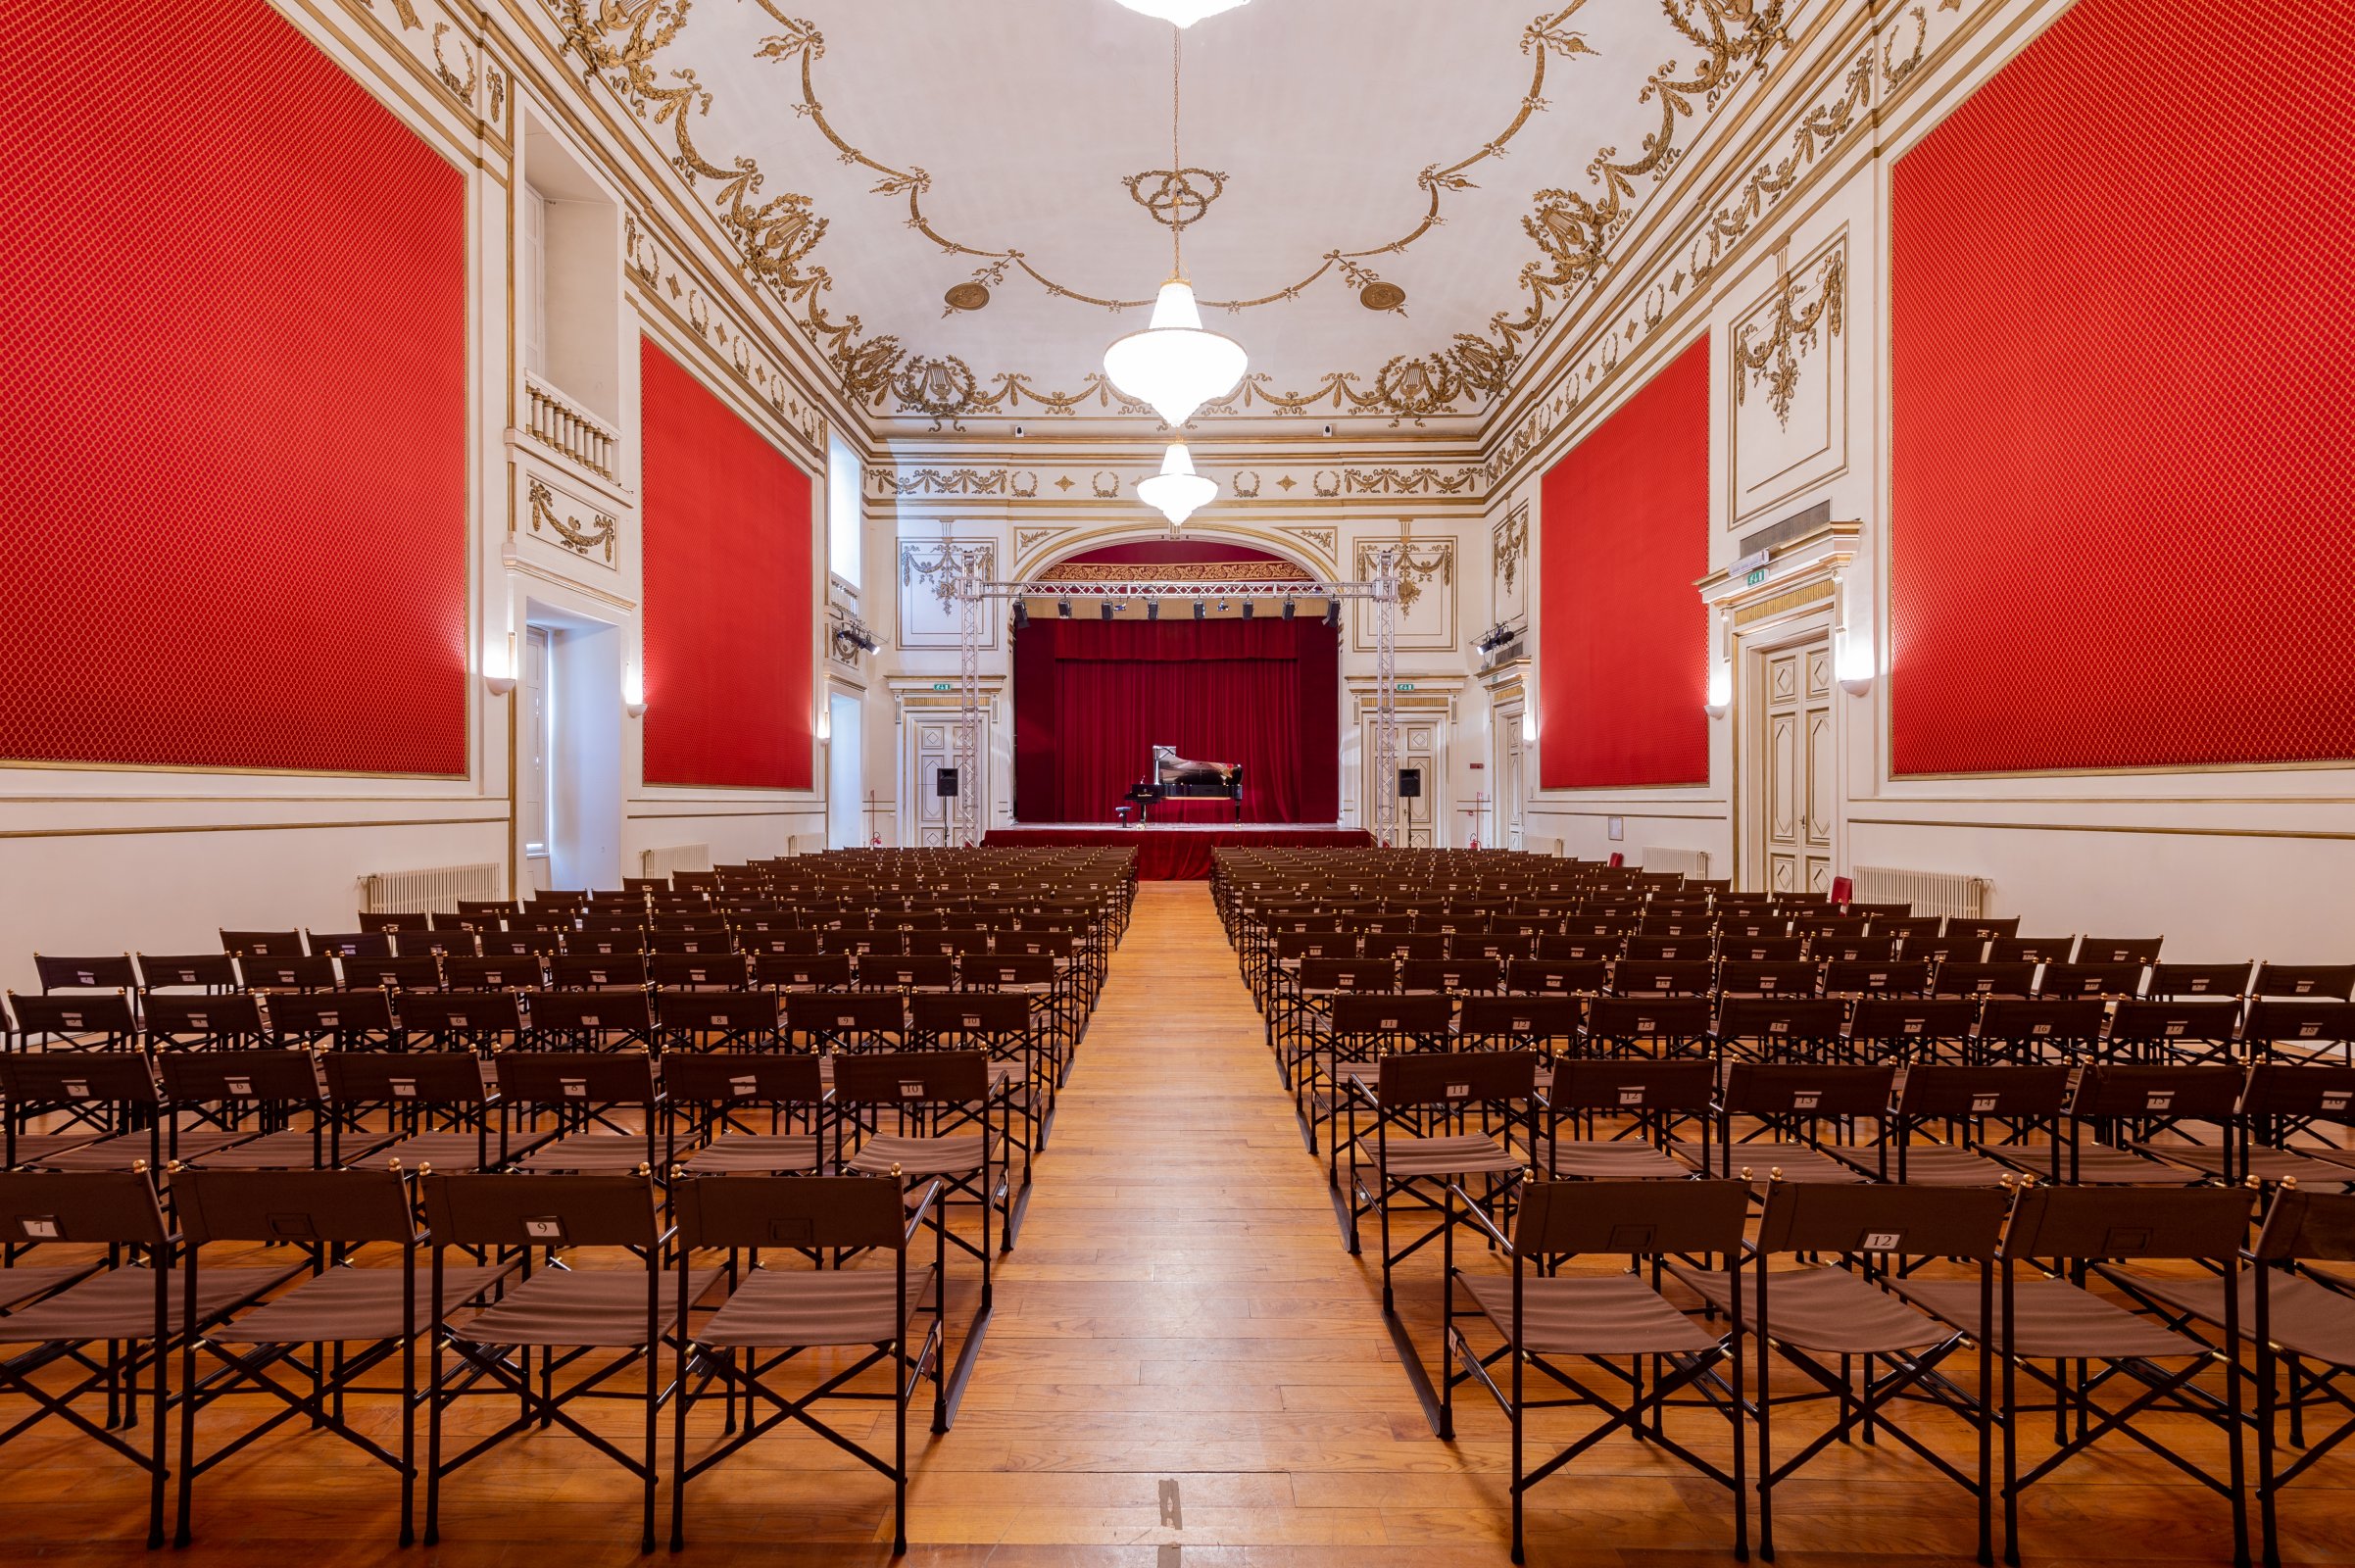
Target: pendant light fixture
[1177,492]
[1183,13]
[1175,364]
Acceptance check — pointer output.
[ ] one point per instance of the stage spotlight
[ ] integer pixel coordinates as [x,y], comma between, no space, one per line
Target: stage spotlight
[1063,608]
[1289,607]
[1246,610]
[1201,611]
[1333,613]
[1107,610]
[1021,614]
[1152,609]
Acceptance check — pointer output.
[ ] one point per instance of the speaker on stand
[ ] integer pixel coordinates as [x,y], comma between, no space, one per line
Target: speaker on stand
[1410,788]
[943,783]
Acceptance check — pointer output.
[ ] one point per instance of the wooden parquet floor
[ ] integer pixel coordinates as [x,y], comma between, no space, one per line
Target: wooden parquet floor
[1185,1370]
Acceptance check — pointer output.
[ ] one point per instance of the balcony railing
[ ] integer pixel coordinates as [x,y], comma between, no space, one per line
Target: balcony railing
[556,420]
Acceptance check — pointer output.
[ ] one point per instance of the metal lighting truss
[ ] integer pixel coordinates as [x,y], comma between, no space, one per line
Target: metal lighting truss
[972,590]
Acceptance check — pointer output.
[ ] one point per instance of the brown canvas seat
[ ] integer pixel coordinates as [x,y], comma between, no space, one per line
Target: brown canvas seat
[346,1305]
[127,1149]
[1764,1158]
[1594,1315]
[39,1150]
[1825,1309]
[816,1307]
[1591,1159]
[1462,1155]
[2304,1316]
[601,1308]
[753,1154]
[120,1303]
[450,1154]
[2053,1320]
[1925,1165]
[21,1285]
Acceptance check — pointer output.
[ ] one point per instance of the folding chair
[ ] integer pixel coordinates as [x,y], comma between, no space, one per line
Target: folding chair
[335,1020]
[74,1021]
[111,972]
[2331,982]
[1799,1109]
[2118,1114]
[176,1023]
[2283,1030]
[368,1319]
[198,971]
[720,1020]
[437,1105]
[597,972]
[483,1022]
[136,1313]
[417,971]
[2300,1326]
[262,943]
[614,1022]
[115,1117]
[2174,1031]
[938,1106]
[772,1316]
[584,1093]
[709,1096]
[1002,1025]
[1912,1029]
[1965,1103]
[1808,1315]
[281,1088]
[846,1021]
[1668,1027]
[785,971]
[1650,1098]
[1760,1028]
[1543,1317]
[578,1311]
[274,971]
[722,970]
[2056,1234]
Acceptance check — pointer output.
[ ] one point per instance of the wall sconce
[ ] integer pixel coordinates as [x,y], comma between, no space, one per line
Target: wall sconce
[1720,701]
[826,720]
[499,669]
[634,692]
[1851,661]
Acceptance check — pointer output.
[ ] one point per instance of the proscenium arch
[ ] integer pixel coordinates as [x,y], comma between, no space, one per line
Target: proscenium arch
[1289,547]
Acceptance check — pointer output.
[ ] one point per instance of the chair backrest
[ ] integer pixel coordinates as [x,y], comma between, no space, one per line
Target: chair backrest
[1007,969]
[742,1077]
[2119,950]
[1634,1018]
[1392,1014]
[2307,1225]
[2103,978]
[1935,1090]
[71,1012]
[840,1012]
[1633,1086]
[206,1077]
[188,969]
[1804,1089]
[1563,976]
[2014,1019]
[2162,1022]
[572,1013]
[2320,1089]
[117,1208]
[732,1011]
[1904,1018]
[263,944]
[111,971]
[2198,980]
[999,1012]
[826,971]
[2335,981]
[912,1078]
[578,1078]
[206,1013]
[407,1078]
[1457,1078]
[1679,977]
[2272,1019]
[463,1011]
[348,1206]
[312,1012]
[1526,1016]
[791,1211]
[590,969]
[529,1210]
[1450,974]
[1637,1218]
[351,944]
[1773,1018]
[2197,1093]
[1883,1218]
[73,1077]
[2081,1222]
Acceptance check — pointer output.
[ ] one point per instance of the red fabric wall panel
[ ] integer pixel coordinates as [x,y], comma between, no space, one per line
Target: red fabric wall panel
[234,399]
[729,594]
[1624,639]
[2124,364]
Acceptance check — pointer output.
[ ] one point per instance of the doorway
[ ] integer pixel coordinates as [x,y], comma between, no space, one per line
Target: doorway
[568,748]
[1791,819]
[846,772]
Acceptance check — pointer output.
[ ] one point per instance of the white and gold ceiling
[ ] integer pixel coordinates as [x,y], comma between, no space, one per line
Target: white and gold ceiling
[966,202]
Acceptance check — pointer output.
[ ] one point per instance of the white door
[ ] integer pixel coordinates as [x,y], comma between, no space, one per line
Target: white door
[1797,769]
[931,746]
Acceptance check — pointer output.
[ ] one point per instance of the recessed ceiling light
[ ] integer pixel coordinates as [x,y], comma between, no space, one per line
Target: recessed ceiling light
[1185,12]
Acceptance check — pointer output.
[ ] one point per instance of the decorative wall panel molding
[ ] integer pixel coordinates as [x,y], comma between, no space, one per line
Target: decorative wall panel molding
[592,538]
[929,569]
[1425,612]
[1786,380]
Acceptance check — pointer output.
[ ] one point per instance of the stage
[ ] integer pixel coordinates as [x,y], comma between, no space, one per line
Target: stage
[1181,852]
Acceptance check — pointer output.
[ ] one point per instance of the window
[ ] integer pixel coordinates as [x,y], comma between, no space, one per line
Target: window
[535,281]
[841,509]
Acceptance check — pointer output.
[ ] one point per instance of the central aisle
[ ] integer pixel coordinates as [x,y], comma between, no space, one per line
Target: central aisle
[1180,1310]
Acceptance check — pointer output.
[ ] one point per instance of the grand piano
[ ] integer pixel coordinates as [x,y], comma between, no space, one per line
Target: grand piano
[1179,778]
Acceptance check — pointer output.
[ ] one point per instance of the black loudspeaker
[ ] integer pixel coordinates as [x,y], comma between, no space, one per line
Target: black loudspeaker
[943,783]
[1410,783]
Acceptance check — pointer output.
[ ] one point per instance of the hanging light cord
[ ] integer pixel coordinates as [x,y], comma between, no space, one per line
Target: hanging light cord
[1177,166]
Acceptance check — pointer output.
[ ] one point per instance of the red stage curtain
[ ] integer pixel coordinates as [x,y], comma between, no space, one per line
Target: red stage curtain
[1093,698]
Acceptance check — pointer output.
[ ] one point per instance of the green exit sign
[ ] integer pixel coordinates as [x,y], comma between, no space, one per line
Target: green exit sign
[944,686]
[1406,685]
[1757,575]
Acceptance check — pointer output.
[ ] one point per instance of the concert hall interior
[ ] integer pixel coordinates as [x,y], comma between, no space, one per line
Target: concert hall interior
[1240,783]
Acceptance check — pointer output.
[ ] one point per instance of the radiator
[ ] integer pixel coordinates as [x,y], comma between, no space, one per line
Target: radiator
[435,889]
[674,857]
[1928,892]
[1691,862]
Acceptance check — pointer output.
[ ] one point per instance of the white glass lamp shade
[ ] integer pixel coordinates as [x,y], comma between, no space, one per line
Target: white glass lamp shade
[1177,492]
[1175,364]
[1185,12]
